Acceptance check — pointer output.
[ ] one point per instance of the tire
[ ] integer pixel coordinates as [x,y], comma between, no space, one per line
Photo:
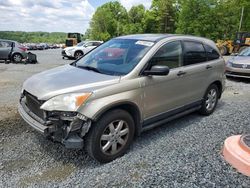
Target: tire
[210,100]
[110,136]
[78,54]
[223,50]
[16,58]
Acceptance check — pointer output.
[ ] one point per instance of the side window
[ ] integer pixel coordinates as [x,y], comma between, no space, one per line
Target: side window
[97,44]
[170,55]
[194,53]
[4,44]
[89,44]
[211,53]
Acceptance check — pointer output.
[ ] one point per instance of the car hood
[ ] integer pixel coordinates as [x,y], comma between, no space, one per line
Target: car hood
[66,79]
[241,60]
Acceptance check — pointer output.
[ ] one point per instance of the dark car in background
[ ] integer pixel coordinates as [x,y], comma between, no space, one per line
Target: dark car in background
[12,50]
[42,46]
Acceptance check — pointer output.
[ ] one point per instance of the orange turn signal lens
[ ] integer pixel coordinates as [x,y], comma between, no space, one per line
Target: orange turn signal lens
[82,98]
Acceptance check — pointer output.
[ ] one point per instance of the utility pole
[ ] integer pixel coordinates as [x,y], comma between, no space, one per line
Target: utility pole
[241,18]
[118,24]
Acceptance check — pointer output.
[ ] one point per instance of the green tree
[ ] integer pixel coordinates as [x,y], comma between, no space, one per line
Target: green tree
[161,17]
[136,19]
[215,19]
[108,21]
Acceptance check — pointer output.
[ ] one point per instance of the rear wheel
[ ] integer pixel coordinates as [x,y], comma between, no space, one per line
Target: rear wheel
[17,58]
[110,136]
[210,100]
[78,54]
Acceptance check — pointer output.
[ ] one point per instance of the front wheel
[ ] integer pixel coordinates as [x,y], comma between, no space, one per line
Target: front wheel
[210,100]
[78,54]
[110,136]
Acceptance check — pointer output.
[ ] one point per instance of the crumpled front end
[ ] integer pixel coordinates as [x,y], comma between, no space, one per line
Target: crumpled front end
[68,128]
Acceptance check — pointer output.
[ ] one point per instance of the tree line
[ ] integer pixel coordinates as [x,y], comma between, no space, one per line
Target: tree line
[214,19]
[34,37]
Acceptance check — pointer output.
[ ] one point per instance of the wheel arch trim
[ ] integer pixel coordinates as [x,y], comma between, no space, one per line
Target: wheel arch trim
[128,106]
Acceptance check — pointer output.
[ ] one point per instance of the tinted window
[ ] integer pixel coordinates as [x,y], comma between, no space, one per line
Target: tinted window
[170,55]
[89,44]
[211,53]
[194,53]
[97,43]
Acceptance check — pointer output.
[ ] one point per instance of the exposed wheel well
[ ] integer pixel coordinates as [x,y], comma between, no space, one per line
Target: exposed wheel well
[219,85]
[132,109]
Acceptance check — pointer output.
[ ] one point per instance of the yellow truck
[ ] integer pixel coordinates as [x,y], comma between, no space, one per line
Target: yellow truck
[72,39]
[227,47]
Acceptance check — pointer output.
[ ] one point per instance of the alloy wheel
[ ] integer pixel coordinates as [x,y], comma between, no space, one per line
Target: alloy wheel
[78,55]
[211,99]
[17,58]
[114,137]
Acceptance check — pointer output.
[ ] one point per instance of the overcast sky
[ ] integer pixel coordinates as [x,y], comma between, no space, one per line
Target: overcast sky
[52,15]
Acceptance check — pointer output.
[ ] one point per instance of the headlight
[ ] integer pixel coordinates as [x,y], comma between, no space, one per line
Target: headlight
[229,63]
[67,102]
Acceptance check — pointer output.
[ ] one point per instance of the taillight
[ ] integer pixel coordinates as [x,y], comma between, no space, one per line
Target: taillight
[22,48]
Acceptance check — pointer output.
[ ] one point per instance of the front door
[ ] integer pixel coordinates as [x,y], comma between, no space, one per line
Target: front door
[165,93]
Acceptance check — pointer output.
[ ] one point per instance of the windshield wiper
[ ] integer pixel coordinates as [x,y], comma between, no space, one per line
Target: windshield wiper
[89,68]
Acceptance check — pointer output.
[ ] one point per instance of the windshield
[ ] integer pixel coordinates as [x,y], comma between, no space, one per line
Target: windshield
[115,57]
[245,52]
[81,43]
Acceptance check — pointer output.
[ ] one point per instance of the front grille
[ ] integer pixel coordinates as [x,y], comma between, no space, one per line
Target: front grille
[34,105]
[241,66]
[239,74]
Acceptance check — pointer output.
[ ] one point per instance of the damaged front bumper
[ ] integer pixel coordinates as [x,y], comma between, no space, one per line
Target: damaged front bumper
[66,128]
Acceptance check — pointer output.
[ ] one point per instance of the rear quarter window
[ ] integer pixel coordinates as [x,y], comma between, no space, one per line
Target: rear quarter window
[211,53]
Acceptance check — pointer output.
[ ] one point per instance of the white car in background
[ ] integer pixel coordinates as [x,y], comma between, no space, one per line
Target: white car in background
[80,49]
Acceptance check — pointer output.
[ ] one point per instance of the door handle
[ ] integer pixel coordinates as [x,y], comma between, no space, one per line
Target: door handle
[209,67]
[181,73]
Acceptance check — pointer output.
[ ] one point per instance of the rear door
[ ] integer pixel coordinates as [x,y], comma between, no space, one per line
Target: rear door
[197,70]
[5,49]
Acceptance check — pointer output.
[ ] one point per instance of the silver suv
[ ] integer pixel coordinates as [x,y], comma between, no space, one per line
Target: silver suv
[125,86]
[12,50]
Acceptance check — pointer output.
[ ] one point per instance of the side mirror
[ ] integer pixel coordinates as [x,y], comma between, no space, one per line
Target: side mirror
[159,70]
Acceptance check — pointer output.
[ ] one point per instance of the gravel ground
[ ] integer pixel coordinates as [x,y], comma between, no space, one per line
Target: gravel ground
[183,153]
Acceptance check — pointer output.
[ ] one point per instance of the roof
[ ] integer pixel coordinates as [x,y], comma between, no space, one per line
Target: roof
[148,37]
[158,37]
[8,40]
